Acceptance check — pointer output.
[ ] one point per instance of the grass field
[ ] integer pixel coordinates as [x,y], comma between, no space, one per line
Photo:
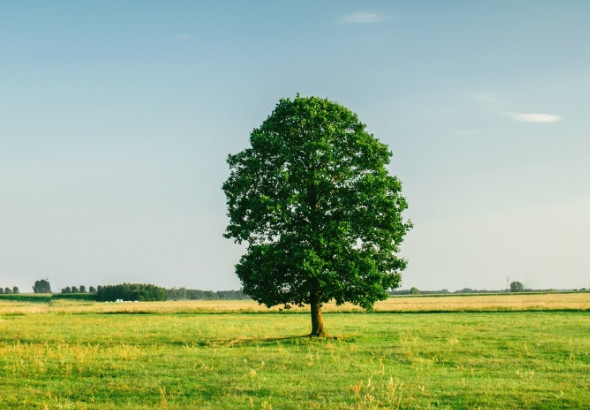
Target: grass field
[481,351]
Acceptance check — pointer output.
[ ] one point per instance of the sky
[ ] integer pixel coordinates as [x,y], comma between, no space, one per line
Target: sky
[116,119]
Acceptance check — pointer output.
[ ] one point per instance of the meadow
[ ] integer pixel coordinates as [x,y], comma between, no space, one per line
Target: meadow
[500,351]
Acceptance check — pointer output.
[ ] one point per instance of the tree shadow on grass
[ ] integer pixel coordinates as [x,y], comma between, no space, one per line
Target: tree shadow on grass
[296,340]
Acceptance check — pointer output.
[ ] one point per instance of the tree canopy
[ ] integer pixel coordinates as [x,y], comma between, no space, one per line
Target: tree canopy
[42,286]
[318,209]
[516,286]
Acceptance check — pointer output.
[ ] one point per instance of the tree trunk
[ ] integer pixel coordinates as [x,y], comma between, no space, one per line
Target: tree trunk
[317,322]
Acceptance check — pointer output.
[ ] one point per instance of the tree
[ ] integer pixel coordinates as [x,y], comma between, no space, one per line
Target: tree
[42,286]
[320,213]
[7,290]
[92,289]
[516,287]
[15,290]
[414,291]
[82,289]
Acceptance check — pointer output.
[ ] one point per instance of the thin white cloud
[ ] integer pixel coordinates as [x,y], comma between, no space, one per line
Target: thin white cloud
[361,17]
[492,103]
[534,117]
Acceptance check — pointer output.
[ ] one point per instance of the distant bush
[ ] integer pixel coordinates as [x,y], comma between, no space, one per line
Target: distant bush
[130,292]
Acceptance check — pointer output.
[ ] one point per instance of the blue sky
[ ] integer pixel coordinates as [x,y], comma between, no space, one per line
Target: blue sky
[116,119]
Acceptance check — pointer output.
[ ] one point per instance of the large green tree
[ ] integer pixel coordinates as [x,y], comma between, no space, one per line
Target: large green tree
[318,209]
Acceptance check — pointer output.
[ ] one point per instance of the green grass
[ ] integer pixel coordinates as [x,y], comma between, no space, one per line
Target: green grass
[75,296]
[378,360]
[27,297]
[46,297]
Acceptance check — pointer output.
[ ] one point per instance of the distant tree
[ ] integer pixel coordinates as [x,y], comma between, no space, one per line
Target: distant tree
[15,290]
[66,290]
[516,287]
[42,286]
[1,290]
[92,289]
[74,289]
[82,289]
[7,290]
[414,291]
[314,202]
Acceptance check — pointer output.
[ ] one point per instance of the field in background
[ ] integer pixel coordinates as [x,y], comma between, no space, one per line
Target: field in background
[72,354]
[453,303]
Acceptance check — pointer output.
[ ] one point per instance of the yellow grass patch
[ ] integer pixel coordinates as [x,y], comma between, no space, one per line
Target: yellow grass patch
[548,301]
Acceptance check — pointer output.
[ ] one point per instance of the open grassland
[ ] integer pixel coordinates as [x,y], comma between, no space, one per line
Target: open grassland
[66,354]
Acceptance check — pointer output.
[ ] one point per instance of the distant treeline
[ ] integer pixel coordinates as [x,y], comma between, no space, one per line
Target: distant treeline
[415,291]
[130,292]
[8,290]
[81,289]
[197,294]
